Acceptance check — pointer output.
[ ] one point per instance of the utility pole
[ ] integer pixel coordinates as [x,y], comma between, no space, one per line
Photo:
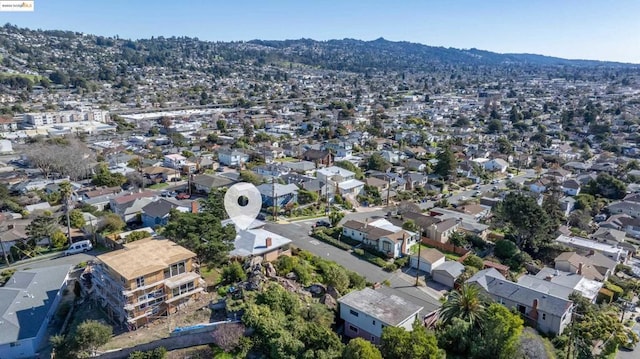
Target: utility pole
[419,251]
[388,188]
[275,199]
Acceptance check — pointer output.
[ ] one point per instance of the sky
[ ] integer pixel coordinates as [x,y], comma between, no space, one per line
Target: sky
[575,29]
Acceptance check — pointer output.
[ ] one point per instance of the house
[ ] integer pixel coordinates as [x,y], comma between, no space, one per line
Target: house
[626,207]
[570,187]
[230,157]
[623,222]
[496,165]
[271,170]
[12,232]
[144,280]
[157,213]
[546,311]
[319,157]
[366,312]
[414,180]
[441,231]
[593,266]
[278,194]
[130,205]
[161,174]
[334,174]
[427,259]
[28,303]
[303,167]
[583,245]
[609,235]
[258,242]
[447,273]
[175,161]
[382,235]
[204,183]
[562,284]
[350,188]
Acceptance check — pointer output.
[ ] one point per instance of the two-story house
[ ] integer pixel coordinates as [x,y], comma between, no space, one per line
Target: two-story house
[278,194]
[129,206]
[382,235]
[367,312]
[545,311]
[175,161]
[230,157]
[146,279]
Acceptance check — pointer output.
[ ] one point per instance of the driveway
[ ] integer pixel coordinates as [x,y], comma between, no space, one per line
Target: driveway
[403,284]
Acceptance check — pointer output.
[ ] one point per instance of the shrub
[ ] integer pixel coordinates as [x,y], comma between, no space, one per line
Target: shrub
[233,273]
[402,262]
[389,267]
[330,240]
[359,251]
[474,261]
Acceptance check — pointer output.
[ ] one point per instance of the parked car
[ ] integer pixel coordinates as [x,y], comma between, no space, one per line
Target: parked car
[78,247]
[322,223]
[183,195]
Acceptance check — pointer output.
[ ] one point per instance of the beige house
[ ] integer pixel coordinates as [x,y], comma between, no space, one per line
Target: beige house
[146,279]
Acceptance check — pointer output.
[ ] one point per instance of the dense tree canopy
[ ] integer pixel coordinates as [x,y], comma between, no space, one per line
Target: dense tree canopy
[398,343]
[447,163]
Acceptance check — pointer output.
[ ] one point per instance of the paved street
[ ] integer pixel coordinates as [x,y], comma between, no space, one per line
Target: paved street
[630,354]
[55,260]
[402,283]
[524,175]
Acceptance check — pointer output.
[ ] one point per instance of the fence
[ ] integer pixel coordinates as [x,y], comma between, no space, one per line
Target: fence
[447,247]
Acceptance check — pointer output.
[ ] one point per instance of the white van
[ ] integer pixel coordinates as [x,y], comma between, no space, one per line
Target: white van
[82,246]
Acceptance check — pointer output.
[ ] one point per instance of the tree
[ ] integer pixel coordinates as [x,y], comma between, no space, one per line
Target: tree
[474,261]
[348,165]
[136,235]
[65,194]
[104,177]
[335,217]
[606,186]
[58,239]
[398,343]
[526,221]
[221,125]
[250,176]
[466,303]
[336,277]
[157,353]
[306,197]
[77,219]
[359,348]
[377,163]
[458,239]
[494,126]
[112,223]
[505,249]
[233,273]
[447,163]
[501,330]
[227,336]
[91,334]
[42,227]
[410,225]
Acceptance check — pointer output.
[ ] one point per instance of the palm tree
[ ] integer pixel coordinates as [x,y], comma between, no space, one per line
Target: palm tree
[466,303]
[65,195]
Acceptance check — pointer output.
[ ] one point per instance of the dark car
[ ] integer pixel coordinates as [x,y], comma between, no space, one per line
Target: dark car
[322,224]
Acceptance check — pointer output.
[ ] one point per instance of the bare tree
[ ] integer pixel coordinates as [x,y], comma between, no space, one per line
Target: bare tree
[227,335]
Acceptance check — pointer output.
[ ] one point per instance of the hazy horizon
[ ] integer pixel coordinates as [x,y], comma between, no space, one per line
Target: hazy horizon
[581,30]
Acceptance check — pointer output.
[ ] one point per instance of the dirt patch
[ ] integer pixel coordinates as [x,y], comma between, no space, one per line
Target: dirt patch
[200,352]
[195,312]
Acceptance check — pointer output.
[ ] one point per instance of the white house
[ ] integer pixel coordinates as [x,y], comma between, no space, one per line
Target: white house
[232,157]
[175,161]
[571,187]
[366,312]
[496,165]
[383,235]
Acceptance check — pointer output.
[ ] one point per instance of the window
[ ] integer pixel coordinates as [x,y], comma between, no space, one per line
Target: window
[354,313]
[544,316]
[140,282]
[176,269]
[374,322]
[185,288]
[386,246]
[14,344]
[522,309]
[353,329]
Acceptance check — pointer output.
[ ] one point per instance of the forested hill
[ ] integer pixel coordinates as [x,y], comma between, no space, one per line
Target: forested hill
[90,57]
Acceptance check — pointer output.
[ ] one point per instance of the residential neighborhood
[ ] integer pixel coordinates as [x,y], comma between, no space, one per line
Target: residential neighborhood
[388,200]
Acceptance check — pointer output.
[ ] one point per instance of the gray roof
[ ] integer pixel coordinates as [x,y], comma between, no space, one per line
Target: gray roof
[253,242]
[26,299]
[300,166]
[495,284]
[159,208]
[268,189]
[212,181]
[387,308]
[453,268]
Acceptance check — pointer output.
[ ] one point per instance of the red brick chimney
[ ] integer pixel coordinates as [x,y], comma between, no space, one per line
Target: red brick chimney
[194,207]
[268,242]
[580,265]
[533,314]
[404,242]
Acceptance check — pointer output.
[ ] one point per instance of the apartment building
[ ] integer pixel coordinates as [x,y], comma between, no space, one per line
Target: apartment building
[57,117]
[146,279]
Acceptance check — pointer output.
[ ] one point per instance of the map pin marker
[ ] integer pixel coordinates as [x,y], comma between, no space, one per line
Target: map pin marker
[242,203]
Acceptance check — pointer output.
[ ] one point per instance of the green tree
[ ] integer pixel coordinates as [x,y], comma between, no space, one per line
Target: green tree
[377,163]
[336,277]
[58,239]
[494,126]
[466,303]
[104,177]
[91,334]
[233,273]
[42,227]
[348,165]
[221,125]
[306,197]
[335,217]
[474,261]
[112,223]
[526,221]
[250,177]
[606,186]
[157,353]
[500,333]
[136,236]
[447,163]
[359,348]
[410,225]
[65,195]
[398,343]
[77,219]
[505,249]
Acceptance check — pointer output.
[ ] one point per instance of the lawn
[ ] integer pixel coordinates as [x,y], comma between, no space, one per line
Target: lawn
[210,275]
[159,185]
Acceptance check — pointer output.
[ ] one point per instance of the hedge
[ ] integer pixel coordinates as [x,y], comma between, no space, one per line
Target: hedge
[330,240]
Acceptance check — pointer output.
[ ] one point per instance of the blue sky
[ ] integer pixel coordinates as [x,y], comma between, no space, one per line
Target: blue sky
[585,29]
